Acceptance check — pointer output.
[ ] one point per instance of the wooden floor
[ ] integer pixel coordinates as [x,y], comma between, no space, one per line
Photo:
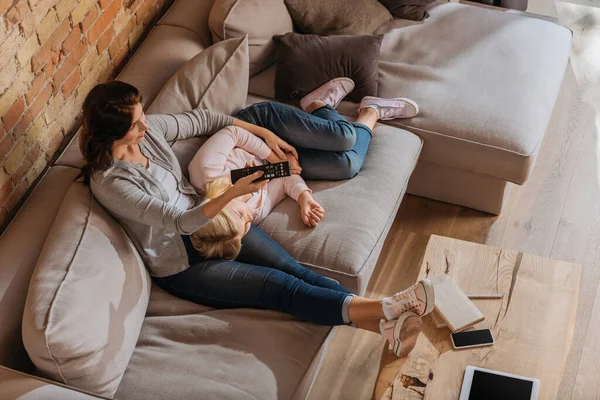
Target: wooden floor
[556,214]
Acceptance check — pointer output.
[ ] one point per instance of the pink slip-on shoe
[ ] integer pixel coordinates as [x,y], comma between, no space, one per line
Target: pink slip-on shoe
[402,333]
[419,299]
[391,108]
[330,93]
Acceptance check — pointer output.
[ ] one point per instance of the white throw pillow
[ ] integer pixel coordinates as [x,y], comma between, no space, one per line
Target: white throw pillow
[216,79]
[259,19]
[87,298]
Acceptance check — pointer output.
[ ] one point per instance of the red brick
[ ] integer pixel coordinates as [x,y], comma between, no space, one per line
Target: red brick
[18,12]
[14,114]
[6,146]
[71,40]
[36,86]
[23,125]
[105,40]
[34,153]
[89,20]
[5,191]
[105,19]
[21,171]
[70,63]
[71,83]
[104,3]
[49,50]
[41,102]
[49,71]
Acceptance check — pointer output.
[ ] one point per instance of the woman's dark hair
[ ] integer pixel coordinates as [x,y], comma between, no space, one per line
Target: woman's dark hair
[107,117]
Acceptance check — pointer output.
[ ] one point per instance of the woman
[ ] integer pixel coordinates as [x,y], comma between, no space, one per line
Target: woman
[134,174]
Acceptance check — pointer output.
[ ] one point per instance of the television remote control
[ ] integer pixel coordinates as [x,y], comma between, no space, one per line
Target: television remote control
[277,170]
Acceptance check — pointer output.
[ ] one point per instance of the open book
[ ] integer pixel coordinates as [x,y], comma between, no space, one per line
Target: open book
[452,306]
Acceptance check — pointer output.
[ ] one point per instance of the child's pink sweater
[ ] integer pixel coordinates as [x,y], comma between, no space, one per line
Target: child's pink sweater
[232,148]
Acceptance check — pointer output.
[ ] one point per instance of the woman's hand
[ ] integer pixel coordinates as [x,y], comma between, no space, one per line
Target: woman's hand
[295,167]
[311,212]
[278,145]
[245,185]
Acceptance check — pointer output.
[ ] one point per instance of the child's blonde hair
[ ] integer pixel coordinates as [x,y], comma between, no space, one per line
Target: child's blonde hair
[220,238]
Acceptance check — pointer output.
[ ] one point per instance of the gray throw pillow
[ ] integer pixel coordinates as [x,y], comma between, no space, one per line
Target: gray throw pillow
[338,17]
[305,62]
[415,10]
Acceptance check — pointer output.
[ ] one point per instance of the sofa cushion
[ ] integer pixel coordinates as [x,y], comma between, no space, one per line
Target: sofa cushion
[191,15]
[20,246]
[221,354]
[338,17]
[259,19]
[485,93]
[163,52]
[305,62]
[415,10]
[87,298]
[216,79]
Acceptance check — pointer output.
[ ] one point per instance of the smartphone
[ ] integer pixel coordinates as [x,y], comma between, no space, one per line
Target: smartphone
[468,339]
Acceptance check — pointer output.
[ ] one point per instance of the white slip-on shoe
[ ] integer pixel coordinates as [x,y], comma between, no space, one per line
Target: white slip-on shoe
[330,93]
[391,108]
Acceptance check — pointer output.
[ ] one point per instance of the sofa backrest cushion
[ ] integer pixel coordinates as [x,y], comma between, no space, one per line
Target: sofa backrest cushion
[338,17]
[87,298]
[191,15]
[259,19]
[216,79]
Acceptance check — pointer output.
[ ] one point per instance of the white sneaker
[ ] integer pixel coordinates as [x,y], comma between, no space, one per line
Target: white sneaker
[330,93]
[391,108]
[419,298]
[402,333]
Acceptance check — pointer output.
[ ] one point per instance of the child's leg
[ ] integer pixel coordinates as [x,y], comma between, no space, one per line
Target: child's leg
[302,129]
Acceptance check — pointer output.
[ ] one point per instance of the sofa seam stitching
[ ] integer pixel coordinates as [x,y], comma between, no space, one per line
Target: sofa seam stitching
[87,223]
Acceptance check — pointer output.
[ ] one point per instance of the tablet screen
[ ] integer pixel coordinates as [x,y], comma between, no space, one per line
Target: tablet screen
[497,387]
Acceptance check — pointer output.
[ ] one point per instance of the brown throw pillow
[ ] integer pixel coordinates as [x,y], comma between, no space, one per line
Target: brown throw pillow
[408,9]
[338,17]
[304,62]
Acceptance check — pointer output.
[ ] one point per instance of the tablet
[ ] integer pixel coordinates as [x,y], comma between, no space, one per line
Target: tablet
[485,384]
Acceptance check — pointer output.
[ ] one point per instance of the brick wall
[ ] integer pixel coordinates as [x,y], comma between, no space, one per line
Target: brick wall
[52,52]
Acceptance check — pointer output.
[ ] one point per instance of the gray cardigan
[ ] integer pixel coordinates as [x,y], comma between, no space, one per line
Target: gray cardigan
[140,203]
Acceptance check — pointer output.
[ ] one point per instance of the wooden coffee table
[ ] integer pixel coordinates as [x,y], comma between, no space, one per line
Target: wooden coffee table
[532,324]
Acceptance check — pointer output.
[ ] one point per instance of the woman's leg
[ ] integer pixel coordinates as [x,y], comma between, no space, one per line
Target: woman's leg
[300,128]
[232,284]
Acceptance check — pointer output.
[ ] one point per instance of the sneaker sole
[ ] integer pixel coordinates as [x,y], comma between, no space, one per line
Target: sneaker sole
[303,104]
[406,332]
[429,295]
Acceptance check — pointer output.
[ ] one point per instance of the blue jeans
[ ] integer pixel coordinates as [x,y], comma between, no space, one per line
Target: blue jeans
[264,275]
[329,147]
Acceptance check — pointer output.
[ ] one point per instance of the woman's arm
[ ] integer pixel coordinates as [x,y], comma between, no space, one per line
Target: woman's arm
[130,202]
[188,124]
[278,145]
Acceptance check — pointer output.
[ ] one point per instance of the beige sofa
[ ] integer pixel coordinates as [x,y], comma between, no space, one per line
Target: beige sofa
[486,92]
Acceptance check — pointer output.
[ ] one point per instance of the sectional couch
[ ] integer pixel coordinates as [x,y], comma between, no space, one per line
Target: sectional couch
[486,81]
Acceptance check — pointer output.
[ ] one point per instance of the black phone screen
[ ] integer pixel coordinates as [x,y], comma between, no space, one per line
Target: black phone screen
[472,338]
[488,386]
